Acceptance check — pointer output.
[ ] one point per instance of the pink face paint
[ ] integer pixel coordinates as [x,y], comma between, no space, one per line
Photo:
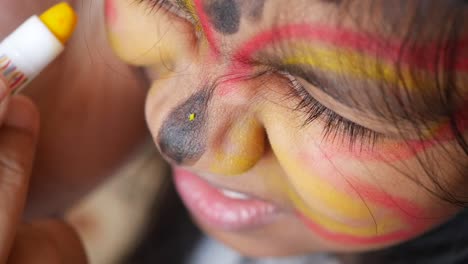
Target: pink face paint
[350,184]
[343,38]
[357,240]
[392,151]
[404,208]
[237,73]
[340,38]
[207,27]
[416,220]
[110,12]
[381,152]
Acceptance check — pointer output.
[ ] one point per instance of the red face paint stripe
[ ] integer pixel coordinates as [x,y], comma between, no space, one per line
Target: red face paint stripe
[348,39]
[111,12]
[403,207]
[397,151]
[357,240]
[206,25]
[367,192]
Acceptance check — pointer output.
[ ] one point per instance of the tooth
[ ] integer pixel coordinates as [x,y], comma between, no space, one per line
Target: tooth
[234,195]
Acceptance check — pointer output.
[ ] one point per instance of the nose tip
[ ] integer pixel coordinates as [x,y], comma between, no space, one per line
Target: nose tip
[182,137]
[244,146]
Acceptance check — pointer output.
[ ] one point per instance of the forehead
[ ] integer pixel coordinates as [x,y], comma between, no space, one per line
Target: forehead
[231,17]
[235,21]
[229,24]
[381,29]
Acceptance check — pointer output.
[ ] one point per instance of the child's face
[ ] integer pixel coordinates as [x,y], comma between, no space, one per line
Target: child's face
[221,108]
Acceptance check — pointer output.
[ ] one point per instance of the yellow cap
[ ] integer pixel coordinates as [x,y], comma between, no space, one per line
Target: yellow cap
[61,21]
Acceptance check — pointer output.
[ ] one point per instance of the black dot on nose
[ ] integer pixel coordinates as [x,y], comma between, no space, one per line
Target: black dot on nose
[182,137]
[225,15]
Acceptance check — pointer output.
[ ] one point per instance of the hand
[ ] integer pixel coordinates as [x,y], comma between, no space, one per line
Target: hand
[91,108]
[49,241]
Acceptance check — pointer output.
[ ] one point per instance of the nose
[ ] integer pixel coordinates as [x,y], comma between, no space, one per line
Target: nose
[182,135]
[208,129]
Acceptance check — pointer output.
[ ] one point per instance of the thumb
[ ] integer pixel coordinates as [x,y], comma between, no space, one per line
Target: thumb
[42,241]
[47,242]
[18,137]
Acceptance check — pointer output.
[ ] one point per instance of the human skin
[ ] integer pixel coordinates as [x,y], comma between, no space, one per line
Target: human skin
[91,111]
[248,138]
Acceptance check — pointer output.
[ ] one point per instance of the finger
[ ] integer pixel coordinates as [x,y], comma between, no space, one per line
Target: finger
[18,136]
[3,99]
[48,242]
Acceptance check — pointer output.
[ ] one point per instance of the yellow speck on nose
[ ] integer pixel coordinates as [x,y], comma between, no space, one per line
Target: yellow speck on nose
[192,116]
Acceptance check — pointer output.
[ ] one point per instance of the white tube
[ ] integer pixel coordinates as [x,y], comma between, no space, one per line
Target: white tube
[26,52]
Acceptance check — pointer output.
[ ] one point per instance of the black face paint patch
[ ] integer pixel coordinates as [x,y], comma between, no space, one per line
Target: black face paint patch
[182,135]
[225,15]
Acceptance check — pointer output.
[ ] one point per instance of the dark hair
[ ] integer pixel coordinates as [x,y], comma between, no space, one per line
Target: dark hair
[445,22]
[418,102]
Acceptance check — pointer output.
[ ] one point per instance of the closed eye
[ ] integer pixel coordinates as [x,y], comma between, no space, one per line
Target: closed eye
[335,127]
[177,7]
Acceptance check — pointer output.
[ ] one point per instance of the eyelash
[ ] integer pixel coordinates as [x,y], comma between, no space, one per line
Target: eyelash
[336,127]
[177,9]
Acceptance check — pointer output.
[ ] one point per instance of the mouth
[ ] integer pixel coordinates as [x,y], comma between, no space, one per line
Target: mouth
[222,208]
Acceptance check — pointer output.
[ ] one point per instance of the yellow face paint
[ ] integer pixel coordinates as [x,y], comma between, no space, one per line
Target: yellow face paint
[190,7]
[243,147]
[336,211]
[383,226]
[140,39]
[192,117]
[355,64]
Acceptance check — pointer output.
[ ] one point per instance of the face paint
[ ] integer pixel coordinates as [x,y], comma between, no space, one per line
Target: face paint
[386,49]
[341,209]
[344,62]
[181,139]
[241,150]
[206,25]
[399,150]
[192,116]
[224,15]
[111,12]
[190,7]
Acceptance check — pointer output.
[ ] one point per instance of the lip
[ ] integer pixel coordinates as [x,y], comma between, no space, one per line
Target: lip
[209,205]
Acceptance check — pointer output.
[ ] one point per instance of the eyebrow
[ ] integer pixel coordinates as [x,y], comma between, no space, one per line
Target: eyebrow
[419,62]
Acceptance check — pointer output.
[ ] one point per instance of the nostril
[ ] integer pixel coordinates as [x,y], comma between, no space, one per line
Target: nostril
[182,137]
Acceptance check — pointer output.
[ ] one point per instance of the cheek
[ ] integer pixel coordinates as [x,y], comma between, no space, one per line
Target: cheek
[343,208]
[350,202]
[141,37]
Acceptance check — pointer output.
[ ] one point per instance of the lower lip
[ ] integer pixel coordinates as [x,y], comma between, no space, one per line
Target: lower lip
[211,206]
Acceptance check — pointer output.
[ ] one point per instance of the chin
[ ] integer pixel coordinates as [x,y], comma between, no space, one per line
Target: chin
[273,240]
